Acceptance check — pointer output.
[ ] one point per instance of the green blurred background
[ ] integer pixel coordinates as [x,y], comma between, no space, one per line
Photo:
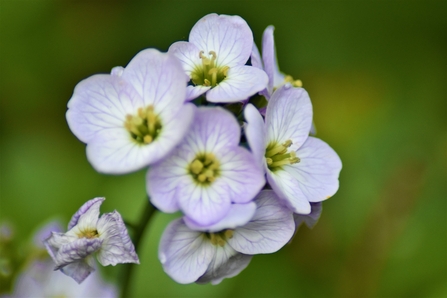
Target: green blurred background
[377,75]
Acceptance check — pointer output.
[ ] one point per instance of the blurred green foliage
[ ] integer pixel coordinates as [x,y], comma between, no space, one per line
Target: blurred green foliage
[376,72]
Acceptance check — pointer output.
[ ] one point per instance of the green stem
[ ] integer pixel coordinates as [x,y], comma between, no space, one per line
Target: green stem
[127,271]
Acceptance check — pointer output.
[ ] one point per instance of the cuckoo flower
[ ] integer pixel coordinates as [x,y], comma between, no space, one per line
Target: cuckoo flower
[87,234]
[269,64]
[301,169]
[134,116]
[207,172]
[224,249]
[214,58]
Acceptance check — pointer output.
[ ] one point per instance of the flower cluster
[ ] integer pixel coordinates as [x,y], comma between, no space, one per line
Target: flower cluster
[226,137]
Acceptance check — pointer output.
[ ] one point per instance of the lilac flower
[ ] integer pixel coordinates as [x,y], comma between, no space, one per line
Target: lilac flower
[224,249]
[215,57]
[300,169]
[87,234]
[269,63]
[40,280]
[133,117]
[207,172]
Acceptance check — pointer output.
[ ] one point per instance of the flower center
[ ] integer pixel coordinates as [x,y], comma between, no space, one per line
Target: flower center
[276,155]
[144,127]
[88,234]
[219,238]
[204,168]
[208,74]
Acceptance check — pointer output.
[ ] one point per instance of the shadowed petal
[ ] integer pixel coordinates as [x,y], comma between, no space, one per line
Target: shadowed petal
[310,219]
[289,116]
[242,82]
[79,270]
[183,253]
[192,92]
[92,208]
[255,134]
[271,227]
[99,103]
[226,263]
[116,246]
[238,215]
[229,36]
[317,172]
[76,250]
[255,57]
[288,189]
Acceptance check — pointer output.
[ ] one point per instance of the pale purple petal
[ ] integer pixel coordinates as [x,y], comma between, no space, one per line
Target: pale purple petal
[242,82]
[91,206]
[288,189]
[226,263]
[183,253]
[270,229]
[241,174]
[289,116]
[116,244]
[269,55]
[100,103]
[318,170]
[158,78]
[205,205]
[310,219]
[45,232]
[192,92]
[255,57]
[188,54]
[55,241]
[116,153]
[255,133]
[238,215]
[229,36]
[79,270]
[76,250]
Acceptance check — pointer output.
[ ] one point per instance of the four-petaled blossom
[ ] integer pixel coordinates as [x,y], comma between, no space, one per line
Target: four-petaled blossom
[215,57]
[87,234]
[190,253]
[207,172]
[301,169]
[133,117]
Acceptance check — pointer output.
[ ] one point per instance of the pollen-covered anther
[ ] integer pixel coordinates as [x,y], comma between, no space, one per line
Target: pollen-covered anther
[204,168]
[294,83]
[145,126]
[209,74]
[220,238]
[89,234]
[277,156]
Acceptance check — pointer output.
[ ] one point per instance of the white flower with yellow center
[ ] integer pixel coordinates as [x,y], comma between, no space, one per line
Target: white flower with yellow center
[300,169]
[214,59]
[133,117]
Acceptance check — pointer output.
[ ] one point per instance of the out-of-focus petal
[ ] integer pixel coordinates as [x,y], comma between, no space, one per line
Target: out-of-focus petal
[289,116]
[288,189]
[184,254]
[116,245]
[229,36]
[242,82]
[317,172]
[271,227]
[238,215]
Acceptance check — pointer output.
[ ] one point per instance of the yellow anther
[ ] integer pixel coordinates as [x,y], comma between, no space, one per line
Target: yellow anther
[213,54]
[201,178]
[224,70]
[143,127]
[298,83]
[140,112]
[228,234]
[206,82]
[269,160]
[287,143]
[147,139]
[196,166]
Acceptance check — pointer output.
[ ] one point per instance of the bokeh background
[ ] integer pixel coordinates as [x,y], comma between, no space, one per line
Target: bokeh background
[376,72]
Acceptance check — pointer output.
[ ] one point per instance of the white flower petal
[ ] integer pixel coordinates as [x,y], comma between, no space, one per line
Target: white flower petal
[317,172]
[255,57]
[226,263]
[95,203]
[100,103]
[238,215]
[188,54]
[255,133]
[288,189]
[192,92]
[183,253]
[289,116]
[229,36]
[240,83]
[271,227]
